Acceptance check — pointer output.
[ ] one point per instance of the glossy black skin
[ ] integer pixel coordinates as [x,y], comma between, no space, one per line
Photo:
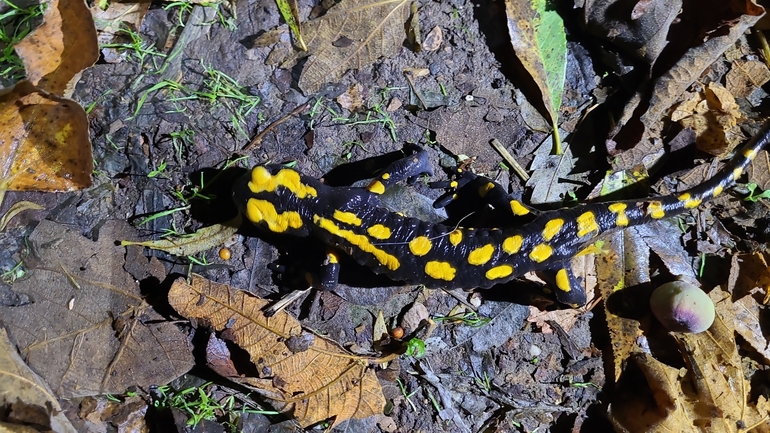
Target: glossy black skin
[565,243]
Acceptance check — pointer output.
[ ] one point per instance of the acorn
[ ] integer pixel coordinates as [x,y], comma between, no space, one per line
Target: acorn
[682,307]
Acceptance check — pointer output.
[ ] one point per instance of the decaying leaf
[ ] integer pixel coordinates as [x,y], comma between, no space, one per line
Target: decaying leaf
[745,77]
[711,395]
[65,44]
[614,272]
[553,176]
[642,32]
[303,373]
[538,37]
[375,27]
[44,141]
[194,243]
[26,397]
[89,331]
[714,116]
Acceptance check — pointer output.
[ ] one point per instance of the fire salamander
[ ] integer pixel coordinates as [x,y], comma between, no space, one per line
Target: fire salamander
[353,220]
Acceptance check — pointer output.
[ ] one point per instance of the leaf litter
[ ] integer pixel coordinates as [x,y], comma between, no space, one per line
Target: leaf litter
[44,137]
[89,330]
[314,381]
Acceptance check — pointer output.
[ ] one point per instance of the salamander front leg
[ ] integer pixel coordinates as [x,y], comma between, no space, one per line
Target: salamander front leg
[408,168]
[486,191]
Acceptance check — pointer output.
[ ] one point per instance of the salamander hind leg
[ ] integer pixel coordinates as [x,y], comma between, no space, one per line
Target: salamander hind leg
[566,286]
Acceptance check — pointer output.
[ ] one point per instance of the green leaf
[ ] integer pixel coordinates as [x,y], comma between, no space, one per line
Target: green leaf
[538,37]
[290,14]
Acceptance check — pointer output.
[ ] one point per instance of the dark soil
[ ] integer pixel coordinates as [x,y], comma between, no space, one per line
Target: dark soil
[504,376]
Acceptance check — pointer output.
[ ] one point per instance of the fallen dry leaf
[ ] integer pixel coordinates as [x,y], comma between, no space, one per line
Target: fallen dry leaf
[194,243]
[745,77]
[44,138]
[714,116]
[89,331]
[44,142]
[711,395]
[376,28]
[303,373]
[65,44]
[25,396]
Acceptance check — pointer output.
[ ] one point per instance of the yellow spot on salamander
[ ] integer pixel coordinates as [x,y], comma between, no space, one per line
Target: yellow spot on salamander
[655,210]
[541,253]
[262,211]
[737,173]
[379,231]
[497,272]
[484,189]
[619,209]
[420,246]
[263,181]
[689,202]
[586,224]
[718,190]
[562,280]
[750,153]
[440,270]
[512,244]
[552,228]
[518,209]
[376,187]
[455,237]
[332,258]
[385,176]
[347,218]
[481,255]
[360,241]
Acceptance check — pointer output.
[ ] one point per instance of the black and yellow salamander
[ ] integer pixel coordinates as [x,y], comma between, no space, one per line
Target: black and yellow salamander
[353,220]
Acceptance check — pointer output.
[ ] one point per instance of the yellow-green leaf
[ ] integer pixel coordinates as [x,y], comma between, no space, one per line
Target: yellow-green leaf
[202,240]
[290,14]
[538,37]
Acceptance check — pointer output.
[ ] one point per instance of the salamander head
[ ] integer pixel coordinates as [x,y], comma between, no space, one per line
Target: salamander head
[274,196]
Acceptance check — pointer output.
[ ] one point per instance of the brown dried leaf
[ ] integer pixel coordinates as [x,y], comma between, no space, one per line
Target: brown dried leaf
[44,142]
[670,86]
[712,395]
[353,98]
[22,389]
[747,324]
[759,171]
[89,331]
[65,44]
[714,117]
[375,26]
[315,380]
[745,77]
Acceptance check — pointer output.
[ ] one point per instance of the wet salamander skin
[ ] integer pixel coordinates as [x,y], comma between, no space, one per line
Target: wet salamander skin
[353,220]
